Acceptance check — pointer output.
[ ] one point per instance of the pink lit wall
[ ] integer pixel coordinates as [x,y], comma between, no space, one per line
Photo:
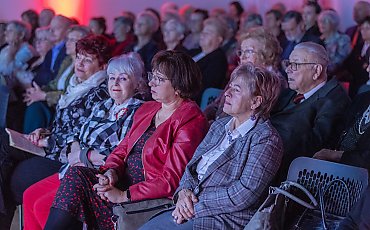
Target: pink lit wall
[85,9]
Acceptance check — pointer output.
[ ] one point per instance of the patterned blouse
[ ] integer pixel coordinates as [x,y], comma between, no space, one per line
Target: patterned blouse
[107,125]
[69,121]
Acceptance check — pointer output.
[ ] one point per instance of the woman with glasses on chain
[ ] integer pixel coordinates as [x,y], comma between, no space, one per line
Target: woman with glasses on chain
[151,159]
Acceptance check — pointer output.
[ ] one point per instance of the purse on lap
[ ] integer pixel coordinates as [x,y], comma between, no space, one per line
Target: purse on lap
[132,215]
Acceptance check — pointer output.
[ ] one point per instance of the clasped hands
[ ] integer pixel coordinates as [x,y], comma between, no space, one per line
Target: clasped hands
[106,190]
[185,206]
[34,94]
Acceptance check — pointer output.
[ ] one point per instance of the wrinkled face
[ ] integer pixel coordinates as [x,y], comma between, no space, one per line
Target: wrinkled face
[57,30]
[161,88]
[365,31]
[209,38]
[72,39]
[95,28]
[291,29]
[196,23]
[237,98]
[42,44]
[250,51]
[301,80]
[170,33]
[85,66]
[120,86]
[309,15]
[271,22]
[142,26]
[11,34]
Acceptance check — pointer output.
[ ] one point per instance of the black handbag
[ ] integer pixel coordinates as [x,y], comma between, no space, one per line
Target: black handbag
[271,214]
[132,215]
[319,219]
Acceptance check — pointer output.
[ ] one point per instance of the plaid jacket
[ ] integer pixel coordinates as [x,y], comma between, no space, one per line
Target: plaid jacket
[233,186]
[101,133]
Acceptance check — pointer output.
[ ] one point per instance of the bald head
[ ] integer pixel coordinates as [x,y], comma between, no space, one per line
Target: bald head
[360,11]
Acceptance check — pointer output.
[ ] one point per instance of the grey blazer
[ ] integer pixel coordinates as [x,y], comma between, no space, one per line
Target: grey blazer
[235,184]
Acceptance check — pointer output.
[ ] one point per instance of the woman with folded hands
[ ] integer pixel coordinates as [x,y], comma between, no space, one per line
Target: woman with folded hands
[225,182]
[151,159]
[104,129]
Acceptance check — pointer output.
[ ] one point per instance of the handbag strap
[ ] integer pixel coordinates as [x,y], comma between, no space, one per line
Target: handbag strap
[322,191]
[295,198]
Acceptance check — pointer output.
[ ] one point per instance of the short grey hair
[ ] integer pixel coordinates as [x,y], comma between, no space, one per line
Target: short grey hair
[22,28]
[331,17]
[315,50]
[180,27]
[130,64]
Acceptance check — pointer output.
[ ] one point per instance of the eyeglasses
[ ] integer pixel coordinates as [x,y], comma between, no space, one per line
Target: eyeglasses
[294,65]
[247,51]
[157,80]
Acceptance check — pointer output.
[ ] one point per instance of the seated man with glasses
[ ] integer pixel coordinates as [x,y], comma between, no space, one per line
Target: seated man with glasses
[308,114]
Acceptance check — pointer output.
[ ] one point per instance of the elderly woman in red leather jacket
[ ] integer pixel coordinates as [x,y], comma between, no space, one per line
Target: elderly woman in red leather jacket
[150,160]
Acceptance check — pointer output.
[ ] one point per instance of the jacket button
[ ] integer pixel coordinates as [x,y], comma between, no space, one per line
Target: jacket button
[196,189]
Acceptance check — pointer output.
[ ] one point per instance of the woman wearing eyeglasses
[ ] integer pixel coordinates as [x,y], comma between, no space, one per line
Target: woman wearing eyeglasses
[225,181]
[151,159]
[260,48]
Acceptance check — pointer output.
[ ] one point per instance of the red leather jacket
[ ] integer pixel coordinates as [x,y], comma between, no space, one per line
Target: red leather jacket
[165,153]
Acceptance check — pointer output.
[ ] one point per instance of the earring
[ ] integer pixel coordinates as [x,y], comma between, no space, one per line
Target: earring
[253,117]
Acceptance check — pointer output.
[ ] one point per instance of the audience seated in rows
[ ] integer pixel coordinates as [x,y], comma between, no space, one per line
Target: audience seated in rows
[107,125]
[41,101]
[232,168]
[161,141]
[21,169]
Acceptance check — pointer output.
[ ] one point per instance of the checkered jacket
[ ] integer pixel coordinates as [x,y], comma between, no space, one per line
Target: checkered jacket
[234,185]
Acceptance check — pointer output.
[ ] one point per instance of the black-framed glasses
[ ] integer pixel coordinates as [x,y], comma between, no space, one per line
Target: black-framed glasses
[294,65]
[247,51]
[156,79]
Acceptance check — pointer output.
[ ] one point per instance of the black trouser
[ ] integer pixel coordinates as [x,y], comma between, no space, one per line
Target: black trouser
[359,216]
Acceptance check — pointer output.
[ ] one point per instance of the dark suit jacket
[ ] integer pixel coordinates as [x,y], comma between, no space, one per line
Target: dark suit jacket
[311,125]
[360,155]
[146,52]
[46,74]
[213,67]
[306,38]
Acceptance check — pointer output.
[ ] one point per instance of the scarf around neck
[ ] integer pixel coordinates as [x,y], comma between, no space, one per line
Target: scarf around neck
[76,89]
